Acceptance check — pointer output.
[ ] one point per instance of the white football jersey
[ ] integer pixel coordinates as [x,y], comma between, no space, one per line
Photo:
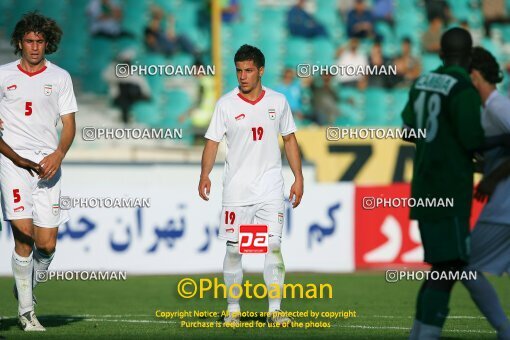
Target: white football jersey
[253,167]
[32,103]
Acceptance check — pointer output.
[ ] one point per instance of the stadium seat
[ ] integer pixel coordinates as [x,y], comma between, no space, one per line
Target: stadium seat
[375,107]
[430,62]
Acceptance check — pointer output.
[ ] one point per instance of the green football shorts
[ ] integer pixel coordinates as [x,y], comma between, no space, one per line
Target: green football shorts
[445,239]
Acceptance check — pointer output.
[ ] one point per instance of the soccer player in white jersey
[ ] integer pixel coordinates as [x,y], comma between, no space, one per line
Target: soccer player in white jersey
[490,240]
[251,117]
[34,95]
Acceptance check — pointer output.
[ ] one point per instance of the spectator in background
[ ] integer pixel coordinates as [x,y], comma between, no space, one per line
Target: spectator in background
[291,89]
[230,11]
[125,91]
[438,8]
[376,58]
[360,21]
[302,24]
[352,56]
[382,10]
[106,17]
[344,7]
[408,66]
[203,107]
[431,39]
[324,101]
[494,11]
[167,42]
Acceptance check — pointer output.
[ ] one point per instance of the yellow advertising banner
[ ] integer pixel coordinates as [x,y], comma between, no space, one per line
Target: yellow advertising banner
[362,160]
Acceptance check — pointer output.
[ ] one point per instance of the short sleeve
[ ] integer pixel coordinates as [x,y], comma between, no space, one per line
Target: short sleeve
[66,99]
[218,125]
[408,114]
[287,125]
[499,114]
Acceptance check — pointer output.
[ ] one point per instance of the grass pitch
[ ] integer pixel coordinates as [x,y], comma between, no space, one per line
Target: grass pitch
[127,309]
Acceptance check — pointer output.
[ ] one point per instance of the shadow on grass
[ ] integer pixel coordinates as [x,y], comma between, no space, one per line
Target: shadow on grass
[48,321]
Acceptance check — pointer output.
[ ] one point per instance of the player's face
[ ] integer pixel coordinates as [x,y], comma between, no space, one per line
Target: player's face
[32,47]
[248,75]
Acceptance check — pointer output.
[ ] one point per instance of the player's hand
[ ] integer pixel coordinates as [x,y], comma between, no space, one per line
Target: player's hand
[485,189]
[204,188]
[296,192]
[28,165]
[1,124]
[50,164]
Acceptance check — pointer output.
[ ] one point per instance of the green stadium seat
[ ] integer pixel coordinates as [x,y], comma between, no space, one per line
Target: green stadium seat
[430,62]
[375,107]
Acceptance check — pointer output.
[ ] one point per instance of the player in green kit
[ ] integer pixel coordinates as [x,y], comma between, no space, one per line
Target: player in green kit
[445,103]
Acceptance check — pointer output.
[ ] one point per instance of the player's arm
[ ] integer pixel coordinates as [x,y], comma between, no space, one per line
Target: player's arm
[18,160]
[208,159]
[489,183]
[408,119]
[51,163]
[465,107]
[292,152]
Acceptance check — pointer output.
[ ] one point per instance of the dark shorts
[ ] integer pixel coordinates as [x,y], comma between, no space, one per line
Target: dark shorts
[445,239]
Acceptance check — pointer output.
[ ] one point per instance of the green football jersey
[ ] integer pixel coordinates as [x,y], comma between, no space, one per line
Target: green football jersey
[446,104]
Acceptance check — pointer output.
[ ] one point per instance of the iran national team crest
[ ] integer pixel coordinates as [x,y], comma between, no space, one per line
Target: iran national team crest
[280,217]
[272,114]
[47,89]
[55,209]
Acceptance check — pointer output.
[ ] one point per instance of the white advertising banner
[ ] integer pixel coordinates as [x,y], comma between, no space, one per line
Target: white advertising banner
[178,232]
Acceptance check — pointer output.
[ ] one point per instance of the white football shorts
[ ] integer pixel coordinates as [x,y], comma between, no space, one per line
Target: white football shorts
[24,196]
[266,213]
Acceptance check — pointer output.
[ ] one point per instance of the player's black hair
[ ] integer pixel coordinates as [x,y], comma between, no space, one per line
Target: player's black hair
[485,63]
[456,45]
[247,52]
[35,22]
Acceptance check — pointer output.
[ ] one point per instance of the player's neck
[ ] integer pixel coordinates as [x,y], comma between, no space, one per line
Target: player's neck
[485,92]
[32,68]
[254,94]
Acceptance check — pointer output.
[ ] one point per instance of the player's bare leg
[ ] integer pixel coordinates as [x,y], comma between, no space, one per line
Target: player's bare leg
[233,274]
[274,276]
[22,268]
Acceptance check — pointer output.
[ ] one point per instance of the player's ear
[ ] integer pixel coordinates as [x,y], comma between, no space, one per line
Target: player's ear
[261,71]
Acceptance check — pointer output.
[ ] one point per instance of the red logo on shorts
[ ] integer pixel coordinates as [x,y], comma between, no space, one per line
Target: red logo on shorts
[230,230]
[253,239]
[19,209]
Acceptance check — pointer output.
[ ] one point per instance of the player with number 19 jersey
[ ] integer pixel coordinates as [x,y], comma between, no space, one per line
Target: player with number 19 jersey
[446,104]
[253,166]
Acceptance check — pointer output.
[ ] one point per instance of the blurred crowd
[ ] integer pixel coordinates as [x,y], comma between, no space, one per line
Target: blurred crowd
[314,100]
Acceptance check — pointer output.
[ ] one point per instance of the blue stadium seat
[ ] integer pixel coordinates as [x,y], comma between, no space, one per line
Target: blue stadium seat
[430,62]
[146,113]
[375,107]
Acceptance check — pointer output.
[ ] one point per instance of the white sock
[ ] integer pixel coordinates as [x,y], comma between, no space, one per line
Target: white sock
[41,263]
[486,298]
[429,332]
[22,268]
[274,271]
[415,331]
[233,274]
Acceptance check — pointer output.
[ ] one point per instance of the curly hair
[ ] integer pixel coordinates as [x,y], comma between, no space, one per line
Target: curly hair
[485,63]
[37,23]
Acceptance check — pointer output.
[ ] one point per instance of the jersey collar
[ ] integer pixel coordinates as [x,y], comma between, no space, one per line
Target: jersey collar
[252,102]
[31,74]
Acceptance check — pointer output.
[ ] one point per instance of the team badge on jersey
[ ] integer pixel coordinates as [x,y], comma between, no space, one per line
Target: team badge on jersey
[272,114]
[241,116]
[47,89]
[55,209]
[12,87]
[280,217]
